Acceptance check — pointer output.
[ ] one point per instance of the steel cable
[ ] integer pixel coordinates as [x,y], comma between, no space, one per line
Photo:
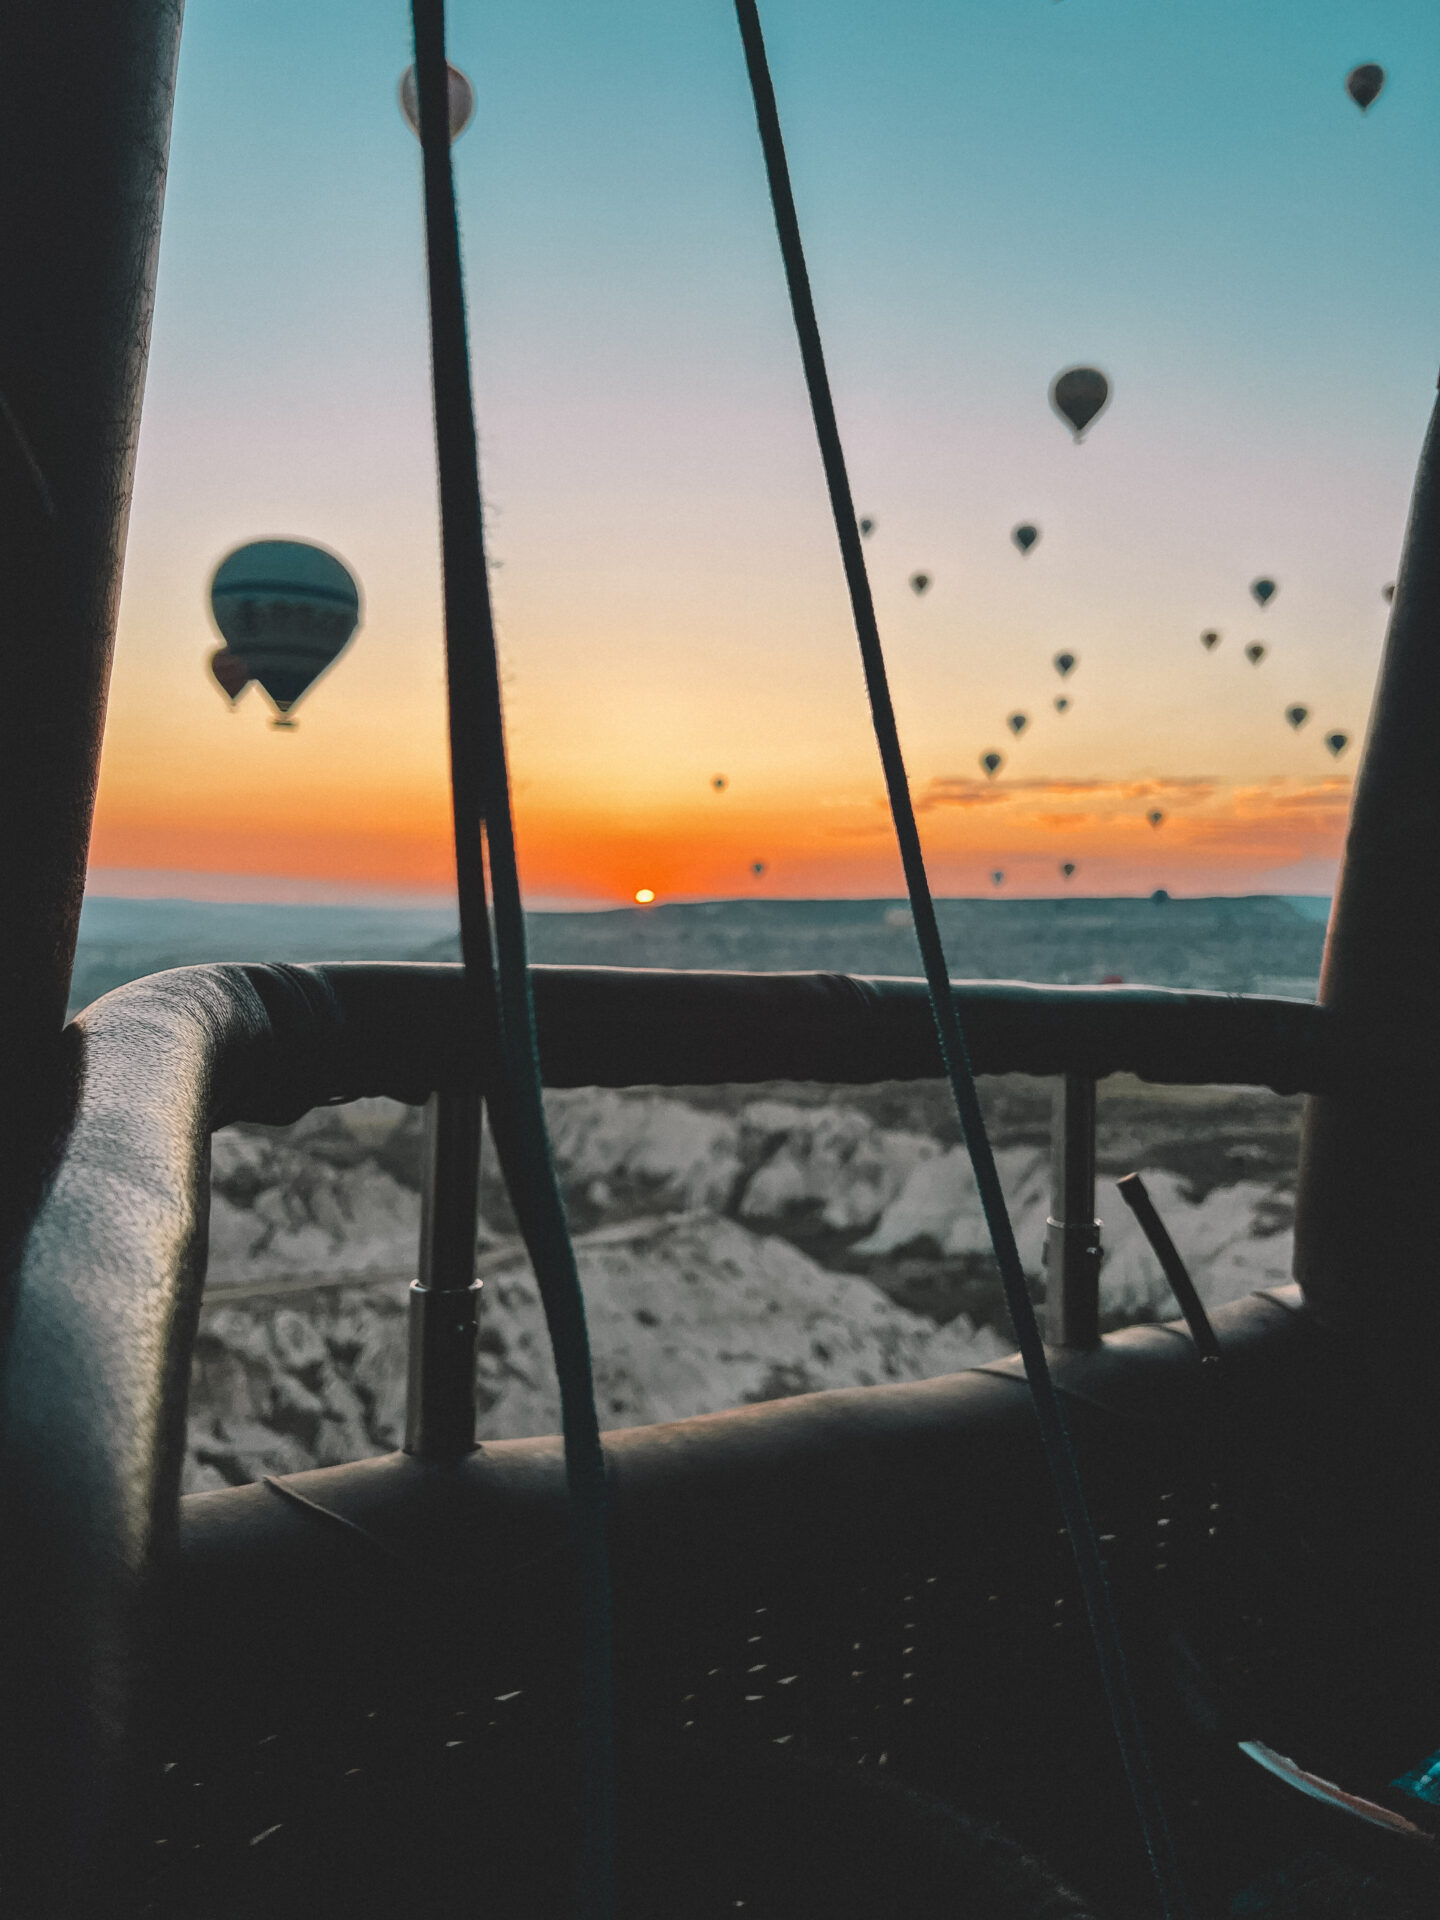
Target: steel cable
[493,950]
[1058,1449]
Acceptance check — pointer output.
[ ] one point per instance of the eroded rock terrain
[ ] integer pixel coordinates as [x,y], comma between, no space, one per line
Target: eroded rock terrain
[735,1244]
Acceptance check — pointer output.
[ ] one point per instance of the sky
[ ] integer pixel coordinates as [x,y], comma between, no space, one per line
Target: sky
[990,191]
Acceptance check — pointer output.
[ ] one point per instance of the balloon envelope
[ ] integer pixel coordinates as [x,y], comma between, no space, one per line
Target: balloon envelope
[1067,868]
[997,879]
[1255,653]
[288,609]
[1263,590]
[718,783]
[919,582]
[1017,723]
[1062,705]
[1155,816]
[1025,536]
[992,763]
[867,526]
[757,867]
[1209,639]
[1063,663]
[1337,743]
[1079,395]
[1297,716]
[462,100]
[230,673]
[1363,84]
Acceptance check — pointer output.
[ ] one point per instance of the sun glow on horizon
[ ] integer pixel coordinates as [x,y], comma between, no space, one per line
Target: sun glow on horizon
[682,694]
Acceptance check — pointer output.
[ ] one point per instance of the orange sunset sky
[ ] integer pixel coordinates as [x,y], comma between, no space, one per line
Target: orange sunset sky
[1193,205]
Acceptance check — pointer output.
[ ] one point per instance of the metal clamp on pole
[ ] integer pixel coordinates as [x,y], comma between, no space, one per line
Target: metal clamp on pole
[1072,1233]
[445,1299]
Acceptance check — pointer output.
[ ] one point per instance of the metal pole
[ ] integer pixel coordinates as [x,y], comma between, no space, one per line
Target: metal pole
[445,1299]
[1365,1206]
[1072,1233]
[86,89]
[85,96]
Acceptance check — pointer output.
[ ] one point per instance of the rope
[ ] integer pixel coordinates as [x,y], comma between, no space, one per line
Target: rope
[1060,1456]
[496,967]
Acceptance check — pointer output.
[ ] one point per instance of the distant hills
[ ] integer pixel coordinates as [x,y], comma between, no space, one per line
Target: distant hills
[1266,943]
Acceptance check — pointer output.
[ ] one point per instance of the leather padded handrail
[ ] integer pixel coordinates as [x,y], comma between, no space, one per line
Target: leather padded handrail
[104,1273]
[284,1039]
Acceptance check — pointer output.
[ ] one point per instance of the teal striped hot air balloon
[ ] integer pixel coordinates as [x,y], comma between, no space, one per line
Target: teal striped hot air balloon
[288,609]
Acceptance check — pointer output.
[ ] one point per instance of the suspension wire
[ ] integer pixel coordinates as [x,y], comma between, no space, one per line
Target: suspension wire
[494,953]
[1058,1449]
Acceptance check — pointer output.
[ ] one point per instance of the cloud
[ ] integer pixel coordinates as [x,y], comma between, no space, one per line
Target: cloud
[960,790]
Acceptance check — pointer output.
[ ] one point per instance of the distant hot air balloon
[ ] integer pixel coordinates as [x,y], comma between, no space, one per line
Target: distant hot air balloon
[1062,705]
[919,582]
[757,867]
[1155,816]
[1337,743]
[1297,716]
[231,674]
[1255,653]
[1067,869]
[1388,591]
[1363,85]
[1017,723]
[1025,536]
[867,527]
[992,763]
[718,783]
[1263,590]
[462,100]
[1079,395]
[1209,639]
[1063,663]
[288,609]
[997,879]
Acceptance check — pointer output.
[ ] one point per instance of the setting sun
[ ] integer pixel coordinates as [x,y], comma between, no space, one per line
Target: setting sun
[644,895]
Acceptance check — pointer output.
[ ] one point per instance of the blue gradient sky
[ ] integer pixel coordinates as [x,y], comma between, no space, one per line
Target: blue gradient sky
[991,190]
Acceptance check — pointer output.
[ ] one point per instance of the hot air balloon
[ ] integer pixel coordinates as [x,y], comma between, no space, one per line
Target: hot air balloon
[1063,663]
[1209,639]
[1263,590]
[1155,816]
[1067,869]
[1297,716]
[992,763]
[1062,705]
[1025,536]
[230,672]
[288,609]
[1388,590]
[919,582]
[1255,653]
[1363,85]
[1078,395]
[997,879]
[718,783]
[1337,743]
[757,867]
[1017,723]
[867,527]
[462,100]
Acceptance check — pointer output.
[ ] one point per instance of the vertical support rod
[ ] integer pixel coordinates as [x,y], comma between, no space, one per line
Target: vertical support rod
[85,97]
[86,88]
[1072,1233]
[1365,1205]
[445,1299]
